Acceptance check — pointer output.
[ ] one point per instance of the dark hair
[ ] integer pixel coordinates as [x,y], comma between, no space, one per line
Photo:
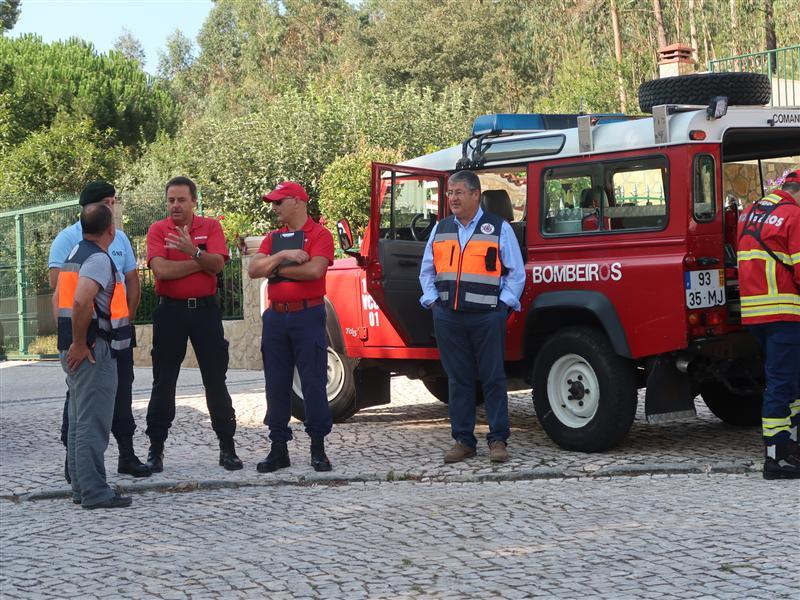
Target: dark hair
[791,186]
[468,178]
[96,218]
[181,180]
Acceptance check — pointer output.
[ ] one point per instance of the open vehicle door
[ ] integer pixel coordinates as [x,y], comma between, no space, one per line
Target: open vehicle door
[406,204]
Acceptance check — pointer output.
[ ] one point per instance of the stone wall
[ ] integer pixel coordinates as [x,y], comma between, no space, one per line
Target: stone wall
[244,336]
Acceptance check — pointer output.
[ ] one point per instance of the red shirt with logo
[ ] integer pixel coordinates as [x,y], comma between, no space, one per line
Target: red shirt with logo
[206,235]
[318,241]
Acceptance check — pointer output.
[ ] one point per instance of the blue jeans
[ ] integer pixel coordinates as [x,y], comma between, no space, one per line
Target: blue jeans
[780,342]
[471,345]
[296,339]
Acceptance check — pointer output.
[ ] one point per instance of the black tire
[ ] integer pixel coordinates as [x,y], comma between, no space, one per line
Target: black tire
[590,420]
[700,88]
[341,391]
[730,408]
[438,388]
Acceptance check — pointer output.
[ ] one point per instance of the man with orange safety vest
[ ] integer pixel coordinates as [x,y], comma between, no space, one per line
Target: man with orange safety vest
[92,313]
[472,276]
[769,280]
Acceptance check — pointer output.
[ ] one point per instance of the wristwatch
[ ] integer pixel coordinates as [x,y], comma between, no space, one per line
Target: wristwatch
[197,253]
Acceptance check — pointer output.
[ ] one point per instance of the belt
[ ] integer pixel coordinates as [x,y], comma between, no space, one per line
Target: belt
[285,307]
[189,302]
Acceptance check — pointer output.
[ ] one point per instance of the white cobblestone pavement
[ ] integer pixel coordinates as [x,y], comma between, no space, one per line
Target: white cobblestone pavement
[697,522]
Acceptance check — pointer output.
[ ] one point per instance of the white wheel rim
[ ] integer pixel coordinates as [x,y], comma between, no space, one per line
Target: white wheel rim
[573,391]
[335,377]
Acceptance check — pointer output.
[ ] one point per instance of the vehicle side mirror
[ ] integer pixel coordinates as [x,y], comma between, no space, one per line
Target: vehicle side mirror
[345,235]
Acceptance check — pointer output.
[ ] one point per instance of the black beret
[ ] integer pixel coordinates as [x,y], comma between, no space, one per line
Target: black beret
[95,191]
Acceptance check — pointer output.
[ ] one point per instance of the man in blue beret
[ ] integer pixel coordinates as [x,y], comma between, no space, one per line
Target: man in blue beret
[122,254]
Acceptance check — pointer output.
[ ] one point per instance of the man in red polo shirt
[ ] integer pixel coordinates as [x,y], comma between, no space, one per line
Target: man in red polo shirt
[295,259]
[185,252]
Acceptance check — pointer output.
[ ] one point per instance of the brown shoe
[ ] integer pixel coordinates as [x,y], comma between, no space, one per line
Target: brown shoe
[458,453]
[498,452]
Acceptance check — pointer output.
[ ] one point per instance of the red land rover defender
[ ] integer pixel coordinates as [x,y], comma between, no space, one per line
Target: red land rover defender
[630,259]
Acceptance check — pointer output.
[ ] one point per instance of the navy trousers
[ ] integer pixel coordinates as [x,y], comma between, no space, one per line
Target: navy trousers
[173,326]
[123,424]
[780,411]
[295,339]
[470,344]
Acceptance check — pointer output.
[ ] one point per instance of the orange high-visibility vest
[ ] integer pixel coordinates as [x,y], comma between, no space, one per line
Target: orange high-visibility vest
[468,279]
[119,337]
[769,260]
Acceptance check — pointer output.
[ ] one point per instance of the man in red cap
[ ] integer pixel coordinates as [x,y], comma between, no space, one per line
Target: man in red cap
[769,279]
[295,259]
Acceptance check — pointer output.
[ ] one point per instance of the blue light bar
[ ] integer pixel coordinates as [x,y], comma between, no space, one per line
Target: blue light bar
[516,123]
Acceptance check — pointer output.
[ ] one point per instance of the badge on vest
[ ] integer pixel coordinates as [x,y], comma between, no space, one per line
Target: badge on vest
[487,229]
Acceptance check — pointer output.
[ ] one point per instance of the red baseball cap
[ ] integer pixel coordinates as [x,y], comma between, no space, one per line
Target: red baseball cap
[286,189]
[793,177]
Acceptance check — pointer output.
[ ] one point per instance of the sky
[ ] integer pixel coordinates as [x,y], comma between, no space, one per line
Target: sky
[102,21]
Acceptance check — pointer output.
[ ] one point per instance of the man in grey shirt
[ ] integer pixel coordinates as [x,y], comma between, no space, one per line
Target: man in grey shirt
[92,325]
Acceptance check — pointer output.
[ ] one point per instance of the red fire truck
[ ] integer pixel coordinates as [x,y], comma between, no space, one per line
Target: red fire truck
[630,256]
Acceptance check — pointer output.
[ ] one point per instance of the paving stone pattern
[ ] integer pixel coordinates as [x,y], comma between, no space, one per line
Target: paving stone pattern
[401,440]
[677,511]
[660,537]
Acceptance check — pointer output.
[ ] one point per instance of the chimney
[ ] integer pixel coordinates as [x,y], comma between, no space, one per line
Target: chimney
[675,59]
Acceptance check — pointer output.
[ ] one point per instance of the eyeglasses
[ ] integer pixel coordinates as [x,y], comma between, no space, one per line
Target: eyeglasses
[458,193]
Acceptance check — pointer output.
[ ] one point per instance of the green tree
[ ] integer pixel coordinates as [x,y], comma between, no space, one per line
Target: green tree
[42,80]
[344,189]
[130,47]
[9,13]
[59,159]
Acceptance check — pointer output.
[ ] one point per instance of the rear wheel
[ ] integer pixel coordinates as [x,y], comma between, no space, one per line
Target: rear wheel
[340,388]
[583,393]
[733,409]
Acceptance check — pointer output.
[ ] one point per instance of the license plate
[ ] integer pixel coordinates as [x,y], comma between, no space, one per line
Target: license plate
[704,288]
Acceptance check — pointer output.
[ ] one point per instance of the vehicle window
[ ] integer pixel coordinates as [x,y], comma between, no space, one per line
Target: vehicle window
[515,185]
[567,199]
[597,197]
[704,199]
[639,198]
[409,205]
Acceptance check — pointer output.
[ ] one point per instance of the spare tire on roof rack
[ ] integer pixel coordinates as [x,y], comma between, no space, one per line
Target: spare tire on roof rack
[700,88]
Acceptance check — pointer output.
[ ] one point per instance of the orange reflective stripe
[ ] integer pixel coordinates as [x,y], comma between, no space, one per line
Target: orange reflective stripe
[446,255]
[67,284]
[474,261]
[119,303]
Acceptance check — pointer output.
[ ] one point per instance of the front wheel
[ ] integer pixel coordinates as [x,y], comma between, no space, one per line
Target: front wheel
[340,389]
[584,394]
[730,408]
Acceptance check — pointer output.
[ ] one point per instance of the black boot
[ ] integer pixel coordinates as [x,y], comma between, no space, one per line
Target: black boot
[278,458]
[129,463]
[319,461]
[66,470]
[227,455]
[155,456]
[781,462]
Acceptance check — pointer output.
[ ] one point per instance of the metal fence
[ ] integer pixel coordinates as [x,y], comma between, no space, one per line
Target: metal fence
[782,65]
[27,327]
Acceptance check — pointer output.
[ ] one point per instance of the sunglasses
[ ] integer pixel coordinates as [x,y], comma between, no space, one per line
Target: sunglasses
[279,202]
